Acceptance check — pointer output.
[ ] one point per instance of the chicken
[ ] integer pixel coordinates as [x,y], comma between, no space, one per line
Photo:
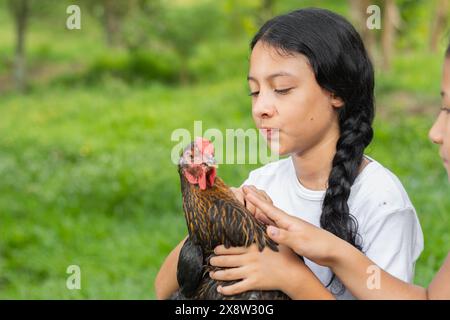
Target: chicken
[214,216]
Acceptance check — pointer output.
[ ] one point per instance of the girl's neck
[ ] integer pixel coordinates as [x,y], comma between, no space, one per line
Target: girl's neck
[313,166]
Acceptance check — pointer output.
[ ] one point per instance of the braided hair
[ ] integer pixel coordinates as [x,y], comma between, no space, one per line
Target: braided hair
[341,66]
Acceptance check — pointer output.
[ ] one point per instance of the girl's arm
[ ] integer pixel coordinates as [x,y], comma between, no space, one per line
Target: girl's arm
[365,280]
[306,286]
[166,281]
[440,287]
[353,266]
[354,269]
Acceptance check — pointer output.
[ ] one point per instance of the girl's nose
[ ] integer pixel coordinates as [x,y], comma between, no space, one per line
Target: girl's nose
[263,107]
[436,133]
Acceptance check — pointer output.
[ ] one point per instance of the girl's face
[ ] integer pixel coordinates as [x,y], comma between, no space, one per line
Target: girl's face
[287,100]
[440,132]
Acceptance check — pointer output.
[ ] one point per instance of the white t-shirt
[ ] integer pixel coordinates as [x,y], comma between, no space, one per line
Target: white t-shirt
[387,221]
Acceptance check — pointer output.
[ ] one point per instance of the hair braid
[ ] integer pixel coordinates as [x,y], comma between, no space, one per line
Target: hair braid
[356,134]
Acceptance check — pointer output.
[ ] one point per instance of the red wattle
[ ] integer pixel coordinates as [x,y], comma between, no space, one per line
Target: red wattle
[212,176]
[190,178]
[202,181]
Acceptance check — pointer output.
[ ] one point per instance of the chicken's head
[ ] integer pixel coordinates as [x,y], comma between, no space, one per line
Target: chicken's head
[197,163]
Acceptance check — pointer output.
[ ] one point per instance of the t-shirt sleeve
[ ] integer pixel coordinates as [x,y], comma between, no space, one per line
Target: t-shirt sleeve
[251,179]
[395,241]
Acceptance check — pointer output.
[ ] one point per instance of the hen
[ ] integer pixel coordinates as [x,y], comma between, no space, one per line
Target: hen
[214,216]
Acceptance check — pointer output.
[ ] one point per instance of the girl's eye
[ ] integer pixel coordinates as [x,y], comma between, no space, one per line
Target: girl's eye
[283,91]
[279,91]
[447,110]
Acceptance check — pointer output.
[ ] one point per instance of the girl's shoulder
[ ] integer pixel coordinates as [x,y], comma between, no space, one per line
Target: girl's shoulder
[377,185]
[387,220]
[379,198]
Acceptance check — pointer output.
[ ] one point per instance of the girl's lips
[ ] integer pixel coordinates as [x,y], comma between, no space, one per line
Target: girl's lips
[268,132]
[271,135]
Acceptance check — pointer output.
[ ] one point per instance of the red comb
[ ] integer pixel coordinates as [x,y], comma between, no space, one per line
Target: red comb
[204,145]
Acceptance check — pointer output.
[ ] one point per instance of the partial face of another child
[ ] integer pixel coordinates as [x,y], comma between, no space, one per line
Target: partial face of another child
[440,132]
[287,98]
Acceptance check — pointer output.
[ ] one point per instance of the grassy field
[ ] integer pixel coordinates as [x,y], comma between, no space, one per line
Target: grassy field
[86,177]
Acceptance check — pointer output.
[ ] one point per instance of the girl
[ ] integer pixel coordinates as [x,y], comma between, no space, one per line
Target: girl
[312,83]
[347,263]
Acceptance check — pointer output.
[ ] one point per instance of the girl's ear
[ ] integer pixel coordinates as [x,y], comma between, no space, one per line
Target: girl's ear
[336,102]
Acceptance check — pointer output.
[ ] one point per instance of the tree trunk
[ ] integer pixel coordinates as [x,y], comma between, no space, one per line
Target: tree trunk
[439,23]
[111,22]
[358,13]
[20,10]
[391,21]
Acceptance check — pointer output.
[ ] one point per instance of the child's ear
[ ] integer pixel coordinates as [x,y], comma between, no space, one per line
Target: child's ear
[336,101]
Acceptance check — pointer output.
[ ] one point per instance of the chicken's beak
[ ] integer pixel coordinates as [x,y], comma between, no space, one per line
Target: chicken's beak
[211,162]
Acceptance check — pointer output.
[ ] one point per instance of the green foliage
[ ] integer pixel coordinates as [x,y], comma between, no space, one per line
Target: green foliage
[218,60]
[408,74]
[134,66]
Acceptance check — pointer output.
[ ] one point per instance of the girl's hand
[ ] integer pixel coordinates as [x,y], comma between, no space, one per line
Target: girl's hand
[240,193]
[305,239]
[266,270]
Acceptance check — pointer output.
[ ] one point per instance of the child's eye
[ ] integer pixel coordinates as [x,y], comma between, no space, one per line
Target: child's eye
[253,94]
[283,91]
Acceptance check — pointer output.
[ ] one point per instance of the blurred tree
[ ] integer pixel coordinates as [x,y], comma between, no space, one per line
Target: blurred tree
[391,22]
[126,23]
[20,11]
[439,23]
[185,27]
[358,15]
[111,14]
[142,25]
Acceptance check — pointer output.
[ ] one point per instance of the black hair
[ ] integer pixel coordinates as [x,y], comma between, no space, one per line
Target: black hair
[341,66]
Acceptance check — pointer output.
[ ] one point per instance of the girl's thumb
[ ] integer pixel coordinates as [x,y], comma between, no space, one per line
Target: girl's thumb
[275,234]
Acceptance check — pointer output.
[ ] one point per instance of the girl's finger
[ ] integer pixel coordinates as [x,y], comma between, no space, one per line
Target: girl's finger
[263,218]
[287,238]
[228,274]
[260,193]
[219,250]
[257,213]
[250,206]
[267,197]
[236,288]
[227,261]
[238,193]
[281,219]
